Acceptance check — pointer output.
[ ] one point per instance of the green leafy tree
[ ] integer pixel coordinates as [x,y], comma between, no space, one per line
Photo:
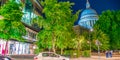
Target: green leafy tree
[57,25]
[103,38]
[78,42]
[11,26]
[108,24]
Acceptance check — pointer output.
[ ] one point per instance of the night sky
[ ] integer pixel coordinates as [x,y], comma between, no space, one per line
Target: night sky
[98,5]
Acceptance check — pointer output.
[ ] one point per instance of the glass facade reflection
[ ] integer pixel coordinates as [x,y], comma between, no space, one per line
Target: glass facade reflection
[28,13]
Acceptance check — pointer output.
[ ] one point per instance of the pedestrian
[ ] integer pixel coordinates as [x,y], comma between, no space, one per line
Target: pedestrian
[107,54]
[111,53]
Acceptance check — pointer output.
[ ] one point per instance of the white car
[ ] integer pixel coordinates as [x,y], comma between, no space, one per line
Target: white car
[49,56]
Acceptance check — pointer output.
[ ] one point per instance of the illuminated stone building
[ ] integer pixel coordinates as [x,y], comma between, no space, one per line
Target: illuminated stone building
[87,19]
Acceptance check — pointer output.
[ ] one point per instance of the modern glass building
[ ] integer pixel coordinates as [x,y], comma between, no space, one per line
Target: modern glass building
[28,12]
[88,17]
[31,9]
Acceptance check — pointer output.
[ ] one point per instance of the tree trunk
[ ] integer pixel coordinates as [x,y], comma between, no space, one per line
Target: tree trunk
[61,51]
[53,47]
[79,47]
[78,51]
[53,43]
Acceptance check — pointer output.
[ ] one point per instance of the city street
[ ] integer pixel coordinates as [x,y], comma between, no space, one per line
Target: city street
[83,58]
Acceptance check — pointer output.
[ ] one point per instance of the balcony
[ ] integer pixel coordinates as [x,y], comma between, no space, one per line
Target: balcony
[29,38]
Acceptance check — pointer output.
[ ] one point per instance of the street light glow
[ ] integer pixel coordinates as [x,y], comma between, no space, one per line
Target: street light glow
[1,17]
[91,29]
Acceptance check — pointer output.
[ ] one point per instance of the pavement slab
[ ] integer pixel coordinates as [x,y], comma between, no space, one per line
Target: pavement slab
[96,58]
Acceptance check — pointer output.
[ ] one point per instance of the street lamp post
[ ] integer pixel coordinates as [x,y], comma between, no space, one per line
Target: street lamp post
[90,39]
[98,44]
[98,52]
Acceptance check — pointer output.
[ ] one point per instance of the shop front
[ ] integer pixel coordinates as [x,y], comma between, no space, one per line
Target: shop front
[15,48]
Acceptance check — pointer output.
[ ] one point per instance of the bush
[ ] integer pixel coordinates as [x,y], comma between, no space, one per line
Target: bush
[72,53]
[86,53]
[68,53]
[37,51]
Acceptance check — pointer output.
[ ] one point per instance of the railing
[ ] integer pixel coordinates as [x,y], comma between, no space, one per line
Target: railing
[28,38]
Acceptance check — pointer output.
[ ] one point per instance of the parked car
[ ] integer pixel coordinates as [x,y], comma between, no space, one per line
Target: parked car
[49,56]
[5,57]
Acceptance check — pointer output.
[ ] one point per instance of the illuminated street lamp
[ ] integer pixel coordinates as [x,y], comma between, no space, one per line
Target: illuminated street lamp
[90,39]
[1,17]
[35,47]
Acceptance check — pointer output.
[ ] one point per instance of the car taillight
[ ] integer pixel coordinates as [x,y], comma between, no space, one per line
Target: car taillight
[35,58]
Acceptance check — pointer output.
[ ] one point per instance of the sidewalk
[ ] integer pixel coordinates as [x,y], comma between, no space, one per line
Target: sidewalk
[30,57]
[83,58]
[23,57]
[96,58]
